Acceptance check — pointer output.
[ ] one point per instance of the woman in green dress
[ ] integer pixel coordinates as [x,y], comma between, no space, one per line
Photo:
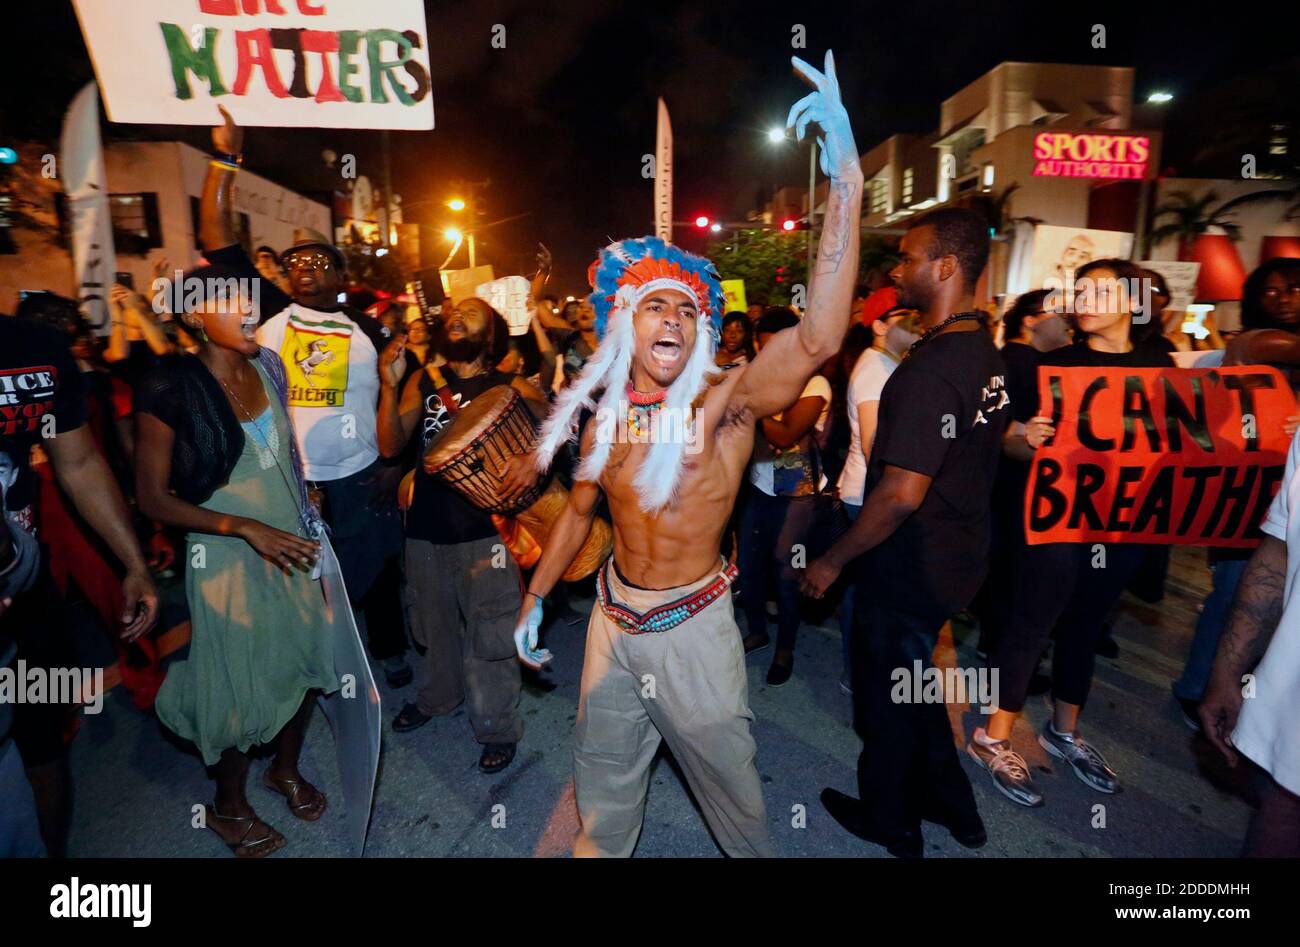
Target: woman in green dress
[216,457]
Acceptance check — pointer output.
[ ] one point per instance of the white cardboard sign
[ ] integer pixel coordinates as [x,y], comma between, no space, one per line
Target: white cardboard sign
[292,63]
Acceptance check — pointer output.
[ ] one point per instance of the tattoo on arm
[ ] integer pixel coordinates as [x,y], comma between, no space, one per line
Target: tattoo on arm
[835,235]
[1257,612]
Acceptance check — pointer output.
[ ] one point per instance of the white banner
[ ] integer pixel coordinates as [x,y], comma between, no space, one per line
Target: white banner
[1180,277]
[294,63]
[81,160]
[664,176]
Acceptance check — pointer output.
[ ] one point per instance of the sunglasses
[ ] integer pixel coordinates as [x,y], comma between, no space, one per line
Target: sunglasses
[309,260]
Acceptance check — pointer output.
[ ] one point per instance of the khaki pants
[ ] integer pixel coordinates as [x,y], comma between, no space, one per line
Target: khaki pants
[686,685]
[463,610]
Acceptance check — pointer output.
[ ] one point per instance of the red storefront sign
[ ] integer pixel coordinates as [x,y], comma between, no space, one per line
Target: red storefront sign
[1091,155]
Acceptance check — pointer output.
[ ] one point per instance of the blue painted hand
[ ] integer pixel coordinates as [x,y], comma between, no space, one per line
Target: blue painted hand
[839,153]
[526,634]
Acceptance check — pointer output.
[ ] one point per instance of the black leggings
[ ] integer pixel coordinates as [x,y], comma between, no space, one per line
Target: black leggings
[1066,587]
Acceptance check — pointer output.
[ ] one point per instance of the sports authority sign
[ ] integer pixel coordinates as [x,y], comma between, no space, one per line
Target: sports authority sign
[297,63]
[1091,155]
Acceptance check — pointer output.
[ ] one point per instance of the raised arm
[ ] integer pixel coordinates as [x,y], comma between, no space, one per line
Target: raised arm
[777,376]
[216,207]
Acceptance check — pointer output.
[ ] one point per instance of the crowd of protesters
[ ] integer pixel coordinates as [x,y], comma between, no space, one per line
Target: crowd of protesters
[250,429]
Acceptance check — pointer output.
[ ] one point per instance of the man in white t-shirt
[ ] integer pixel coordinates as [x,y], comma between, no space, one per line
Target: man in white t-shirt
[1252,704]
[891,336]
[785,477]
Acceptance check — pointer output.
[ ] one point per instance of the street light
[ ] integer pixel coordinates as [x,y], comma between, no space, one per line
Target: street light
[1159,98]
[776,136]
[452,234]
[456,204]
[716,228]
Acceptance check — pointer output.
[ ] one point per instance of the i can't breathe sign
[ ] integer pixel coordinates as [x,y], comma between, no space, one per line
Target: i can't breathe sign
[1158,455]
[296,63]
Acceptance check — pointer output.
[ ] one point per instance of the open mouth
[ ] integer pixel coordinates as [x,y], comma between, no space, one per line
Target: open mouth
[667,349]
[248,325]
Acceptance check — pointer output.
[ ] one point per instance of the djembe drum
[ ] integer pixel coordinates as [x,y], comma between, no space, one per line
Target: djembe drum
[472,455]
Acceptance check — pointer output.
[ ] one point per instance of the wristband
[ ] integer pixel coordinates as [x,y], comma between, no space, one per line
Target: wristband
[228,162]
[540,598]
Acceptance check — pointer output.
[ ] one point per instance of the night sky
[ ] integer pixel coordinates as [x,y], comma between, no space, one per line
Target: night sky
[559,119]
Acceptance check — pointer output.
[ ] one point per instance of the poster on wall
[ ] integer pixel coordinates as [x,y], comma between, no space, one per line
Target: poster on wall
[292,63]
[1060,251]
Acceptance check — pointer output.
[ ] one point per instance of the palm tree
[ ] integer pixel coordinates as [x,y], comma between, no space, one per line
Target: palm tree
[1190,217]
[1287,193]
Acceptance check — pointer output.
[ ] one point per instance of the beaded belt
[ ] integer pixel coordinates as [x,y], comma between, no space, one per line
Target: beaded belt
[666,616]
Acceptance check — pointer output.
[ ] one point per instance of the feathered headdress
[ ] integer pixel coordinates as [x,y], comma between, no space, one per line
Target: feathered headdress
[624,274]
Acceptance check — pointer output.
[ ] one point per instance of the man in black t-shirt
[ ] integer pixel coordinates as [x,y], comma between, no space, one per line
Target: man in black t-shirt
[42,403]
[463,588]
[924,527]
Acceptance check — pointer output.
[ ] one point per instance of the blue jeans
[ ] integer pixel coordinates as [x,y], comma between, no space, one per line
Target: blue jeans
[1217,609]
[769,530]
[846,603]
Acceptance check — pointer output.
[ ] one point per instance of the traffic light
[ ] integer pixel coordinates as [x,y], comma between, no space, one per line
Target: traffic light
[780,274]
[702,222]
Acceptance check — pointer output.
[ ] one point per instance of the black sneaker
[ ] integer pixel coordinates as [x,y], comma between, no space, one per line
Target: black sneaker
[967,830]
[852,817]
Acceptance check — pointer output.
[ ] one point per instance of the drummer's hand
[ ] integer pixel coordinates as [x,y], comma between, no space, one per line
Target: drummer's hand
[520,475]
[530,620]
[392,362]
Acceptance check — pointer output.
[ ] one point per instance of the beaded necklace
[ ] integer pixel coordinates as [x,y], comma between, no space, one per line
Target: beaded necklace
[935,330]
[641,410]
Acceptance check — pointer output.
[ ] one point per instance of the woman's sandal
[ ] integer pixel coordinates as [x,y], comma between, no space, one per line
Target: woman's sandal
[243,847]
[505,753]
[289,788]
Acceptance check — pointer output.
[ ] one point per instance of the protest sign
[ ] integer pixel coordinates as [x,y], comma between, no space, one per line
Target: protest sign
[1158,455]
[734,291]
[300,63]
[1180,277]
[508,296]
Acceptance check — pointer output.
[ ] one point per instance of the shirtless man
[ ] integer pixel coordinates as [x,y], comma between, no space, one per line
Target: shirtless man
[663,655]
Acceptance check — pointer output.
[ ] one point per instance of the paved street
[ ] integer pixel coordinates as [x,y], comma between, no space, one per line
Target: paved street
[135,788]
